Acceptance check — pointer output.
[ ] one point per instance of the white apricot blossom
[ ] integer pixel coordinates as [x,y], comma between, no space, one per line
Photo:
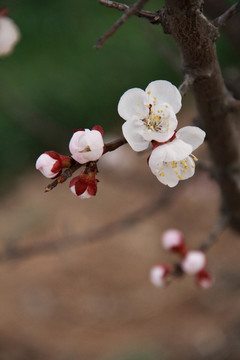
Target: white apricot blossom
[158,275]
[173,240]
[149,114]
[193,262]
[174,160]
[9,35]
[87,145]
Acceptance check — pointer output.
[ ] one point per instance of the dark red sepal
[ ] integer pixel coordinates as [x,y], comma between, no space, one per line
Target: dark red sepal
[4,11]
[98,128]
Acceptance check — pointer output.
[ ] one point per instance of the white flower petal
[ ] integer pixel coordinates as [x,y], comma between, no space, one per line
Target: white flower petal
[172,238]
[157,136]
[192,135]
[94,139]
[45,164]
[187,169]
[85,195]
[133,134]
[133,103]
[173,151]
[157,275]
[164,92]
[170,178]
[86,145]
[170,173]
[193,262]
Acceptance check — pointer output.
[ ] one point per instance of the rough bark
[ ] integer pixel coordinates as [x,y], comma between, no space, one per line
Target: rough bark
[196,36]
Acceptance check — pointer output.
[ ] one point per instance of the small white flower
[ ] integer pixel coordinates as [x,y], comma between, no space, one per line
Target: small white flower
[149,114]
[9,35]
[87,145]
[158,274]
[193,262]
[172,240]
[49,164]
[174,161]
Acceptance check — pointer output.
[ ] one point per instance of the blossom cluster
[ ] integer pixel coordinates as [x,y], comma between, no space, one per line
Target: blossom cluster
[193,262]
[150,117]
[9,33]
[86,147]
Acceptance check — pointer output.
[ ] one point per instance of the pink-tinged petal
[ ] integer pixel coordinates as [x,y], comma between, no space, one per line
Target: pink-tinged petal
[157,275]
[94,139]
[77,141]
[173,240]
[163,91]
[132,132]
[48,166]
[173,151]
[192,135]
[133,102]
[86,146]
[193,262]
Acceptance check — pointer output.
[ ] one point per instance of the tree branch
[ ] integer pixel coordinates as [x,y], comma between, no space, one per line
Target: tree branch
[195,36]
[100,234]
[222,19]
[149,15]
[128,12]
[63,177]
[69,172]
[219,226]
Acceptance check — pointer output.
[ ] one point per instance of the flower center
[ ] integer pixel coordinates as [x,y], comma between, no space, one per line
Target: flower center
[158,118]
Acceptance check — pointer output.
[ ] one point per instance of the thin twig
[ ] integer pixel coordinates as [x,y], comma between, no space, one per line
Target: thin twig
[152,16]
[129,12]
[219,226]
[101,233]
[69,172]
[115,144]
[63,177]
[188,81]
[222,19]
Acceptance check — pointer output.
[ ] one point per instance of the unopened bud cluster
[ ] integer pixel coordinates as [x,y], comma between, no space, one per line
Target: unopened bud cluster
[86,147]
[193,262]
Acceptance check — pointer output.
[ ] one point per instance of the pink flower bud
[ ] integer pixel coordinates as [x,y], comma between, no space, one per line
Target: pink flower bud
[204,279]
[173,240]
[87,145]
[158,274]
[9,35]
[85,184]
[193,262]
[51,163]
